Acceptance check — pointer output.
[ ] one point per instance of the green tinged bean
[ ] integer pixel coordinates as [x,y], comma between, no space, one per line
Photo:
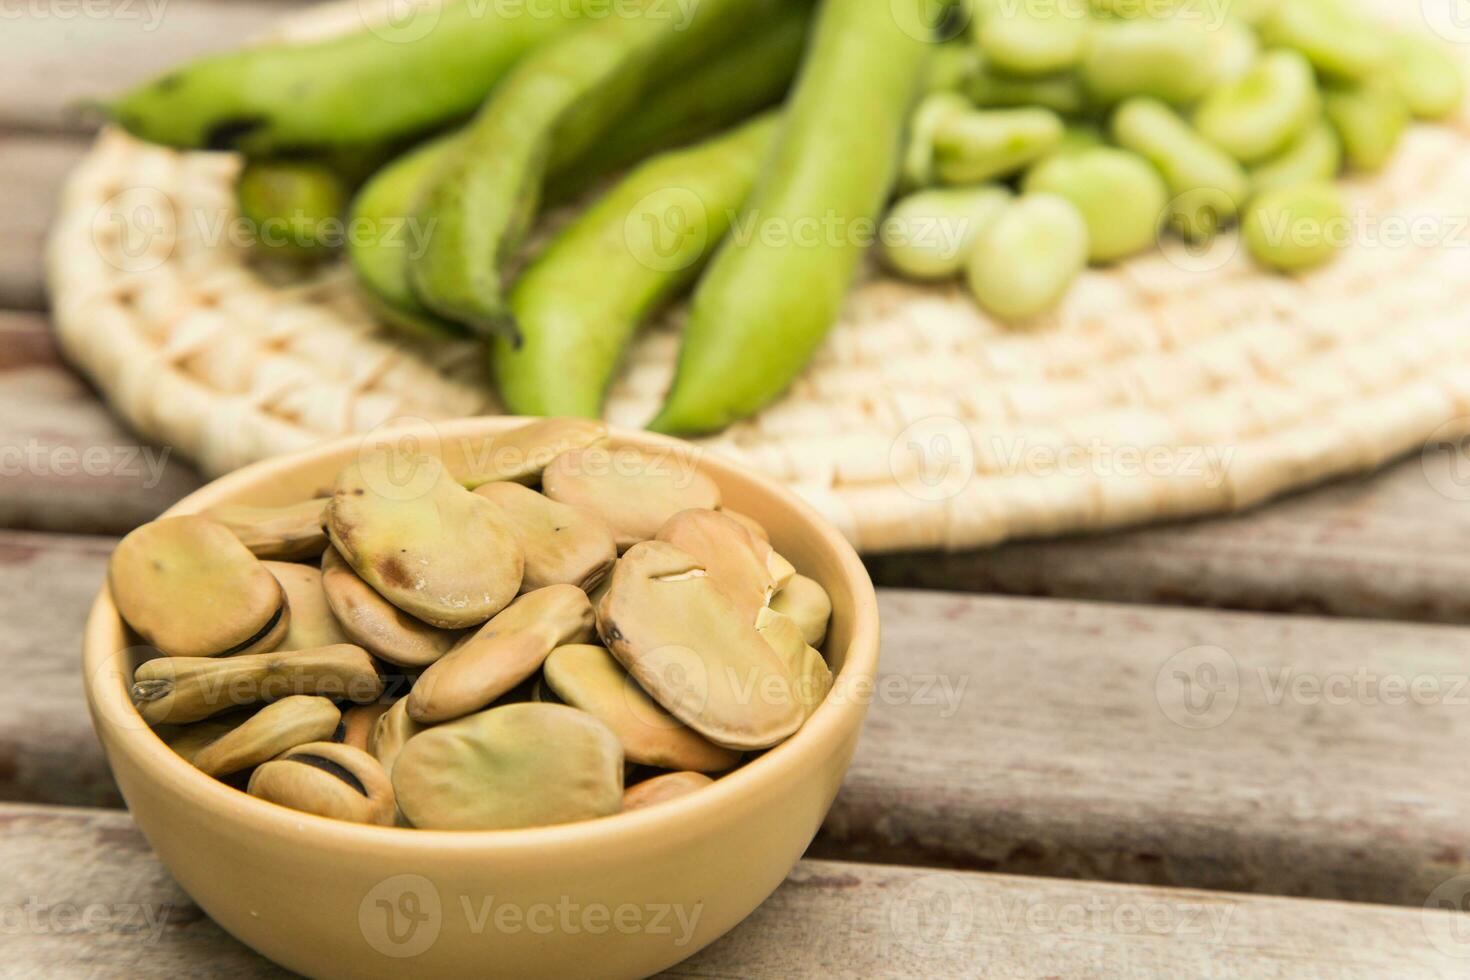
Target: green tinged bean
[1208,185]
[776,285]
[1429,79]
[1369,118]
[748,77]
[1257,115]
[1334,37]
[1297,227]
[1234,49]
[1026,258]
[583,298]
[928,235]
[1315,155]
[1119,194]
[1061,93]
[292,206]
[1031,39]
[567,94]
[1165,59]
[371,86]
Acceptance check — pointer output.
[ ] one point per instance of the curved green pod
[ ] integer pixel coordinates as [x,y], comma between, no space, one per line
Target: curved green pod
[579,304]
[377,84]
[776,285]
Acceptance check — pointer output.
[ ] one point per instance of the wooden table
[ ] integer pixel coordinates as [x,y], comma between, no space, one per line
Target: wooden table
[1224,748]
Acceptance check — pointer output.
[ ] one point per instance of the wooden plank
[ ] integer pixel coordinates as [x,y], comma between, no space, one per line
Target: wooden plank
[1023,736]
[1394,545]
[829,918]
[32,169]
[64,56]
[65,463]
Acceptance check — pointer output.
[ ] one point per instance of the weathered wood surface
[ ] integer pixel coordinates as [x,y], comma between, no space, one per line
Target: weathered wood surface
[1020,735]
[66,464]
[84,895]
[32,169]
[63,56]
[1395,544]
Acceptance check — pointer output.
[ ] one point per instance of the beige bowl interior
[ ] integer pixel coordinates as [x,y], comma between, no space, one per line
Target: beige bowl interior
[618,897]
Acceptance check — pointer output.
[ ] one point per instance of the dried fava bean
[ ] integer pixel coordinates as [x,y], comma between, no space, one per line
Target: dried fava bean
[187,586]
[747,522]
[563,545]
[189,740]
[1119,194]
[1429,79]
[590,678]
[358,723]
[1369,118]
[1315,155]
[393,728]
[806,603]
[690,648]
[312,622]
[290,533]
[503,653]
[375,623]
[272,730]
[811,679]
[520,765]
[521,454]
[727,552]
[661,789]
[1297,227]
[633,491]
[425,543]
[177,690]
[1257,115]
[330,780]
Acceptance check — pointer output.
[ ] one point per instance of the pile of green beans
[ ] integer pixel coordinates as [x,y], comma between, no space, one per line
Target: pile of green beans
[758,146]
[1091,128]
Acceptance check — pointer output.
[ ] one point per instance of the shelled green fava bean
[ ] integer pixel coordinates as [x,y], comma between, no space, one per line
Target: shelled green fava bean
[1208,185]
[523,719]
[1257,115]
[1427,77]
[1031,39]
[1369,119]
[1335,38]
[292,205]
[985,144]
[1027,256]
[1168,59]
[1119,194]
[1297,227]
[1315,155]
[928,235]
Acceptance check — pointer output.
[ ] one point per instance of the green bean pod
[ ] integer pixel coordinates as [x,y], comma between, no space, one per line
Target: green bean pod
[579,304]
[776,285]
[748,77]
[1208,185]
[567,94]
[292,206]
[371,86]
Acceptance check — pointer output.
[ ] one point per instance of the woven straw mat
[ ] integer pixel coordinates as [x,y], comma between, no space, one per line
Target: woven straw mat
[1173,384]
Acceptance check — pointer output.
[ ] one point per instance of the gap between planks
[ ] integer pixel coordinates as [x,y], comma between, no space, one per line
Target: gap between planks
[1150,745]
[829,918]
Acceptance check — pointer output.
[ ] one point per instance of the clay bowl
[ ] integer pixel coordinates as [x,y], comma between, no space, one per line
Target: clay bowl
[622,896]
